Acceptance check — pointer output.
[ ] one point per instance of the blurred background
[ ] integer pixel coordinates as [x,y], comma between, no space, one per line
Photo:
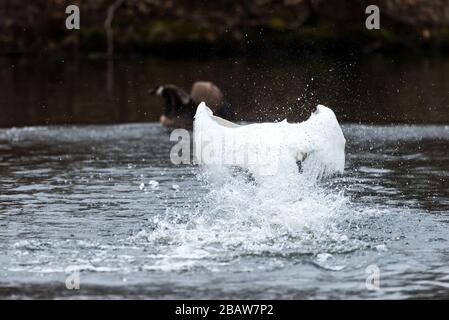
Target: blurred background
[273,59]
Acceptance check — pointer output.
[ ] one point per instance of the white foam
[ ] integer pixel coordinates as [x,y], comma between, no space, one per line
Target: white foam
[274,214]
[237,217]
[153,184]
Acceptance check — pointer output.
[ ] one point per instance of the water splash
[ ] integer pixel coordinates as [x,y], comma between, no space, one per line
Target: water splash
[238,217]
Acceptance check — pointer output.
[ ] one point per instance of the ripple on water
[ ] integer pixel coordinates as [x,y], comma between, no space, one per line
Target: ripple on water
[72,196]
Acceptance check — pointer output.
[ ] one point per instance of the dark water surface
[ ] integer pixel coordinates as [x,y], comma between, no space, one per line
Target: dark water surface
[107,201]
[374,88]
[85,196]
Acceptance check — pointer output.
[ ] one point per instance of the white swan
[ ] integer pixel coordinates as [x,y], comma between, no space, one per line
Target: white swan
[270,148]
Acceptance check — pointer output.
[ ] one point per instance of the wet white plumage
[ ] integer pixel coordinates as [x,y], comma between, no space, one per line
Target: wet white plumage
[268,149]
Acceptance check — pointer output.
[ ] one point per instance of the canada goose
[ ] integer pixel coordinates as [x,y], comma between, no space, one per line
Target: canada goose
[267,149]
[180,106]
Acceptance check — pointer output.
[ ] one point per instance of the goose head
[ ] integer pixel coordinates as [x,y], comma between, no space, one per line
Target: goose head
[180,106]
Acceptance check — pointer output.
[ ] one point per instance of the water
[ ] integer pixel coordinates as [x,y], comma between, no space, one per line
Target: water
[106,199]
[367,89]
[87,196]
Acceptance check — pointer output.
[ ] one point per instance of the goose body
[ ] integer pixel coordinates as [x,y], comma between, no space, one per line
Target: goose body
[180,106]
[270,148]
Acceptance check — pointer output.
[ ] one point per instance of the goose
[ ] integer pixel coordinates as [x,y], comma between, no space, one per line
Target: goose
[180,106]
[267,149]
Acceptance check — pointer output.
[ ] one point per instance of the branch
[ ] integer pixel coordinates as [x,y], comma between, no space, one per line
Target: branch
[108,25]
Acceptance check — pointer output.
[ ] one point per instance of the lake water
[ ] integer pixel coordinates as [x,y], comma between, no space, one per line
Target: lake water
[82,196]
[371,89]
[106,200]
